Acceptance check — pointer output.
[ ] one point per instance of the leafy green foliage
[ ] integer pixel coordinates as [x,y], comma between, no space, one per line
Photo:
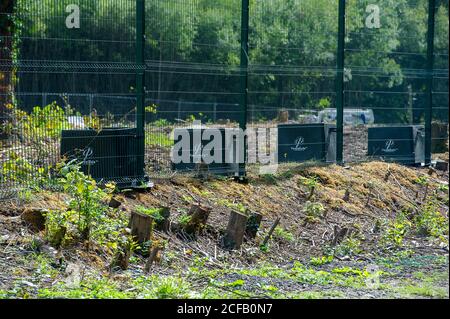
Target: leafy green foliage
[396,230]
[184,219]
[311,183]
[155,213]
[56,226]
[88,200]
[431,222]
[157,287]
[319,261]
[349,246]
[16,168]
[314,210]
[283,234]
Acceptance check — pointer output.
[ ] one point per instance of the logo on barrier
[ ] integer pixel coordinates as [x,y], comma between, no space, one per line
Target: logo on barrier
[389,147]
[299,145]
[88,153]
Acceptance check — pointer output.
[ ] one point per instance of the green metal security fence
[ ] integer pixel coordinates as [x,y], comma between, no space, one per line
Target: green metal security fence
[110,83]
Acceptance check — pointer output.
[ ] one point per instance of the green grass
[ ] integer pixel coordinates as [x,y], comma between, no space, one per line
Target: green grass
[422,290]
[158,139]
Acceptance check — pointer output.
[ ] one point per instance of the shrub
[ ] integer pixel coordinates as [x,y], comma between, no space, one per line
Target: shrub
[88,201]
[430,222]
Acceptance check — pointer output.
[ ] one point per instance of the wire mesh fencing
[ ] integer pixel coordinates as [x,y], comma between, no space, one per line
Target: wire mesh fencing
[117,84]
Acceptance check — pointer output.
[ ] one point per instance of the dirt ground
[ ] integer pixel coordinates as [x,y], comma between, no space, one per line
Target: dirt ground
[356,201]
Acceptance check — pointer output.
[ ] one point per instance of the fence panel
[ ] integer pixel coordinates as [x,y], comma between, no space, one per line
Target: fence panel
[72,72]
[313,74]
[386,76]
[193,73]
[292,74]
[440,111]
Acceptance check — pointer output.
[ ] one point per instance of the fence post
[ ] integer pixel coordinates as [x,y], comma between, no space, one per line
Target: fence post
[140,81]
[429,73]
[244,76]
[179,110]
[340,84]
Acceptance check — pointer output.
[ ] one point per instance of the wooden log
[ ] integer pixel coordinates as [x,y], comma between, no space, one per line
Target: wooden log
[163,224]
[272,229]
[253,224]
[234,236]
[198,218]
[141,226]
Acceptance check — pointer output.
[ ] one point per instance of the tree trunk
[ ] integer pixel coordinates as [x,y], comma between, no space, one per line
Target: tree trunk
[198,218]
[141,227]
[234,236]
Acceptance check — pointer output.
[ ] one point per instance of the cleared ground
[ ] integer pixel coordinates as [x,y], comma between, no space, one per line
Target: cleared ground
[372,230]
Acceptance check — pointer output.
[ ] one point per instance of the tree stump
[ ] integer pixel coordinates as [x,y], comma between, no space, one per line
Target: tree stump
[155,256]
[34,218]
[234,235]
[198,218]
[340,234]
[114,203]
[164,223]
[441,165]
[253,224]
[141,227]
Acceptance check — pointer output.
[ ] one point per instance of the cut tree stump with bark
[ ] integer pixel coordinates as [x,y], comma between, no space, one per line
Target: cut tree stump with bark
[198,217]
[141,226]
[155,256]
[340,233]
[253,224]
[34,218]
[234,236]
[441,166]
[114,203]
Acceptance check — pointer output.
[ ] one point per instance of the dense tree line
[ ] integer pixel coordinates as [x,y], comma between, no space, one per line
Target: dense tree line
[193,52]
